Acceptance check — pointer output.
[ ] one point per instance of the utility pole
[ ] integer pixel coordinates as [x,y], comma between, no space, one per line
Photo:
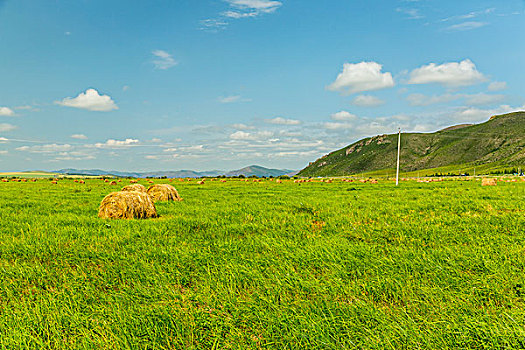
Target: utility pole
[398,152]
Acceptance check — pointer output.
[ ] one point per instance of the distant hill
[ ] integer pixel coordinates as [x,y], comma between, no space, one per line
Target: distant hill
[259,171]
[497,142]
[253,170]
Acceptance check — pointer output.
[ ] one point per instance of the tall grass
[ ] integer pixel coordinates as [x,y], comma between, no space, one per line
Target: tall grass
[263,265]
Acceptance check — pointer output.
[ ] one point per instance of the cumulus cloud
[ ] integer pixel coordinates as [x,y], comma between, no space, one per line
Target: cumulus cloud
[343,116]
[79,136]
[283,121]
[452,74]
[4,127]
[117,143]
[367,101]
[497,86]
[90,100]
[6,112]
[359,77]
[163,60]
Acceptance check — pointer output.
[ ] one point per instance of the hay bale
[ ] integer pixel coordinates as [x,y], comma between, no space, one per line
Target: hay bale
[163,193]
[200,182]
[5,180]
[134,187]
[113,183]
[488,182]
[81,182]
[127,205]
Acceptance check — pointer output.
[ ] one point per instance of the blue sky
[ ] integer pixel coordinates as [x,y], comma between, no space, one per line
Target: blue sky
[221,84]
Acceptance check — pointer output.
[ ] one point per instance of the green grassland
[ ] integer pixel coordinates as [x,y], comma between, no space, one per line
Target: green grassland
[246,265]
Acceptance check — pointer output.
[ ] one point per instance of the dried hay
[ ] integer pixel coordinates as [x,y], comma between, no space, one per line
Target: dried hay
[200,182]
[373,181]
[81,182]
[113,183]
[54,182]
[488,182]
[5,180]
[164,193]
[135,187]
[127,205]
[133,181]
[279,181]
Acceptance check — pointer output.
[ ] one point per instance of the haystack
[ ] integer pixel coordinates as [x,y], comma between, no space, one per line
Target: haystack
[127,205]
[164,193]
[488,182]
[135,187]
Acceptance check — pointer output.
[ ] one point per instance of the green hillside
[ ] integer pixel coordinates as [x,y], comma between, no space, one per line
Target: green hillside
[495,144]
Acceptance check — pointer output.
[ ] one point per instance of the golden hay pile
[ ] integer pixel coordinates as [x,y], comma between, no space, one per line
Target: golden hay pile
[127,205]
[135,187]
[489,182]
[164,193]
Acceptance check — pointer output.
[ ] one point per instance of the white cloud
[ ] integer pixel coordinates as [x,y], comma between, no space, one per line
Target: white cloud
[359,77]
[4,127]
[470,114]
[163,60]
[4,152]
[466,26]
[343,116]
[3,140]
[497,86]
[283,121]
[213,25]
[233,99]
[117,143]
[452,74]
[6,112]
[50,148]
[151,157]
[337,126]
[483,99]
[367,101]
[247,136]
[470,99]
[424,100]
[412,13]
[79,136]
[90,100]
[251,8]
[243,127]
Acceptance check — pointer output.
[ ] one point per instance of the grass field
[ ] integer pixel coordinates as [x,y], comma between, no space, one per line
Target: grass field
[248,265]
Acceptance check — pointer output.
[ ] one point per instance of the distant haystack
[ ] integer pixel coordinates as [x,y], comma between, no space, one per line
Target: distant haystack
[135,187]
[164,193]
[127,205]
[489,182]
[113,183]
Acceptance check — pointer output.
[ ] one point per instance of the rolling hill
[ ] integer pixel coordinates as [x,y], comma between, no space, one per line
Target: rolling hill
[497,143]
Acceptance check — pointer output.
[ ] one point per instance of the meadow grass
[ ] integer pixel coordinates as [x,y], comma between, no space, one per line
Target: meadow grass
[246,265]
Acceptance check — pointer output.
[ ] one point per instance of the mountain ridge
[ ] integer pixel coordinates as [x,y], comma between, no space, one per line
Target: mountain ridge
[252,170]
[500,141]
